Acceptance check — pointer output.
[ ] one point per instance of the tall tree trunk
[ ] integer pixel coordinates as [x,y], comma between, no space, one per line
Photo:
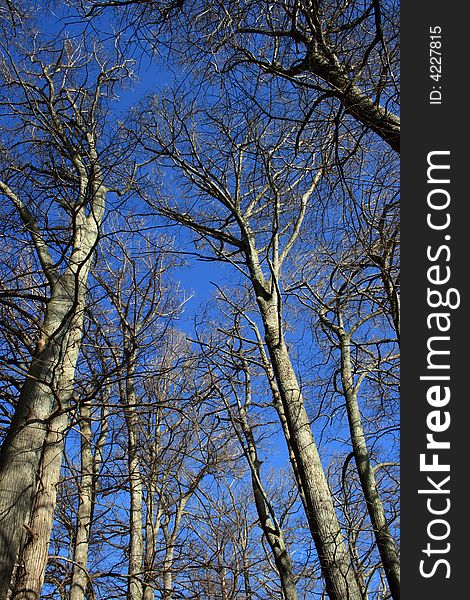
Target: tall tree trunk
[153,516]
[246,578]
[48,385]
[90,466]
[152,524]
[170,541]
[385,542]
[221,572]
[136,545]
[277,403]
[273,533]
[267,518]
[50,378]
[136,542]
[336,565]
[30,576]
[167,593]
[32,567]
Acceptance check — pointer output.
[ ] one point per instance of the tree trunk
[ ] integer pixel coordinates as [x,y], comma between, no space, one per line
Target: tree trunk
[48,385]
[246,578]
[32,568]
[221,572]
[277,403]
[168,576]
[167,593]
[359,105]
[337,569]
[50,378]
[87,486]
[170,540]
[30,577]
[153,517]
[275,538]
[152,525]
[385,542]
[136,543]
[268,521]
[19,463]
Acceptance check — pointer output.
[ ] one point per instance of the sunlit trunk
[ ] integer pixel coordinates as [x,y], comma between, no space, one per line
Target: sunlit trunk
[337,569]
[385,542]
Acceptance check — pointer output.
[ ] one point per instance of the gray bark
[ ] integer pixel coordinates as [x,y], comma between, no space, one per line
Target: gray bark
[170,541]
[32,567]
[324,526]
[90,466]
[335,561]
[49,383]
[277,403]
[266,515]
[136,543]
[85,508]
[385,542]
[167,592]
[246,580]
[153,513]
[152,526]
[363,108]
[22,449]
[267,518]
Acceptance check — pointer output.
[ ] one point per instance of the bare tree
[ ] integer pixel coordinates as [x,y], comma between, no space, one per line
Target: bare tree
[339,58]
[182,445]
[92,409]
[145,452]
[231,379]
[145,303]
[252,201]
[357,305]
[385,542]
[54,180]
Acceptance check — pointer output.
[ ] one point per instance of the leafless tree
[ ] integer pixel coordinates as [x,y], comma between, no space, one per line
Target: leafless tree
[230,366]
[144,443]
[342,59]
[251,203]
[55,181]
[356,301]
[144,305]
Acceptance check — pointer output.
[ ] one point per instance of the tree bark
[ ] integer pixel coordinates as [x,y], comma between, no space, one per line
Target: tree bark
[277,403]
[360,106]
[152,526]
[136,543]
[50,375]
[30,577]
[167,593]
[335,562]
[267,518]
[337,569]
[385,542]
[32,568]
[336,565]
[170,540]
[48,386]
[90,466]
[268,522]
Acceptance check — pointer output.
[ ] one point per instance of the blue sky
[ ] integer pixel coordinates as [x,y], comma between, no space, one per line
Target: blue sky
[197,275]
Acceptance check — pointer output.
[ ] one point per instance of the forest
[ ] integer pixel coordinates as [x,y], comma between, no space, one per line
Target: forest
[199,300]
